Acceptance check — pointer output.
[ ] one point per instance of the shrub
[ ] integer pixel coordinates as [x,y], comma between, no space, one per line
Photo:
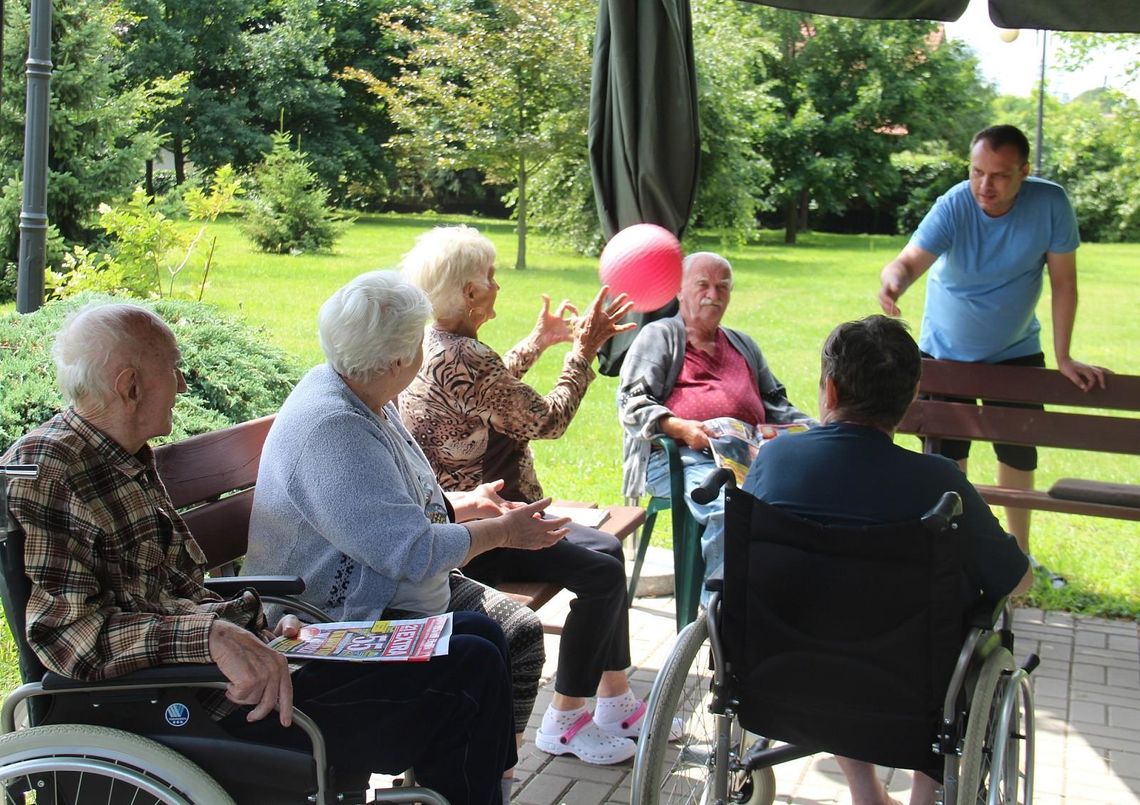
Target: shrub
[148,250]
[231,372]
[289,211]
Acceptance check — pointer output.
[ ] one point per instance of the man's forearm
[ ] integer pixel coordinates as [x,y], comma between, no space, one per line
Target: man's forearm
[1064,307]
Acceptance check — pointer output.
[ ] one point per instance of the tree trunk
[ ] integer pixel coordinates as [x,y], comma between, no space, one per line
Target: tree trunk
[179,161]
[520,258]
[150,178]
[804,199]
[791,220]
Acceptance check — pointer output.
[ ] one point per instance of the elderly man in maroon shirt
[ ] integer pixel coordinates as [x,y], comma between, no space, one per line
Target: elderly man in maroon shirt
[681,372]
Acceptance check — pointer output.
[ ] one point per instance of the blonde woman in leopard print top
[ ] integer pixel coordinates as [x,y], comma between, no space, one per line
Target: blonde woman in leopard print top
[474,417]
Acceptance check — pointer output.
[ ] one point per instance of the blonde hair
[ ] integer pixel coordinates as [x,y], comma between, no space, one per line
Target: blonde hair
[445,259]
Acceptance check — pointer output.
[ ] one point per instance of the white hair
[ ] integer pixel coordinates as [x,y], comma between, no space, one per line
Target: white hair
[445,259]
[98,341]
[372,322]
[690,262]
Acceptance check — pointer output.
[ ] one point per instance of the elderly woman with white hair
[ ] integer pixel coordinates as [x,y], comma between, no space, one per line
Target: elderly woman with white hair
[473,415]
[346,498]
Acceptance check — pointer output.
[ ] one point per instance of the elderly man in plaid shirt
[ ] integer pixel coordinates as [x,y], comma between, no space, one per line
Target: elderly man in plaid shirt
[116,586]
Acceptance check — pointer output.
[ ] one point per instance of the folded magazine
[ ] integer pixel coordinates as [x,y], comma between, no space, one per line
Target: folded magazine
[734,443]
[414,640]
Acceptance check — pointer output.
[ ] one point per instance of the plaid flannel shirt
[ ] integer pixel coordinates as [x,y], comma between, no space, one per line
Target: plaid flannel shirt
[116,577]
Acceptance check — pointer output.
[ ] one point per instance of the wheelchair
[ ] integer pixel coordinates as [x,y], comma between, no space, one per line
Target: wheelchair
[839,640]
[144,738]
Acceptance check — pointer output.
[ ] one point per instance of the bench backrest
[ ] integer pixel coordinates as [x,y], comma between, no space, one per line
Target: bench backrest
[211,477]
[1064,429]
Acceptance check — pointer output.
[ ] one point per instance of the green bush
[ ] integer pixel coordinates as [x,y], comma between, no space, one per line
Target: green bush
[232,372]
[288,211]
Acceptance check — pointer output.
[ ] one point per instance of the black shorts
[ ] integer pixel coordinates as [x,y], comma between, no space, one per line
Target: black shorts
[1019,456]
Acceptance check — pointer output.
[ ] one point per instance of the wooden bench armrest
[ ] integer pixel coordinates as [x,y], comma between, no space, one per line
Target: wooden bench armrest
[1042,501]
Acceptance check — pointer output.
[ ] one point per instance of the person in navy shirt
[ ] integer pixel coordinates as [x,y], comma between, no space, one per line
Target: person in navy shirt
[849,472]
[986,242]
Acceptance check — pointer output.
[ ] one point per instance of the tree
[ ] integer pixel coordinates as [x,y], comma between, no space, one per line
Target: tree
[849,93]
[500,86]
[101,124]
[737,108]
[202,39]
[250,64]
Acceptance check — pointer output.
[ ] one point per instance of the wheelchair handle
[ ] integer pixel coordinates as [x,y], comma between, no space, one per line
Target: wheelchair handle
[710,486]
[12,471]
[949,507]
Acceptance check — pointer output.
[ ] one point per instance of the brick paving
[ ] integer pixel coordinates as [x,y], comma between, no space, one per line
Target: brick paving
[1088,717]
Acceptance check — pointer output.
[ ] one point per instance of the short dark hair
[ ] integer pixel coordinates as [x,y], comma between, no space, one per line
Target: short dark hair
[875,366]
[1000,136]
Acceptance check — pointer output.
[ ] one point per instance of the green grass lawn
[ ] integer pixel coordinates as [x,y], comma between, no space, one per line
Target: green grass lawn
[787,297]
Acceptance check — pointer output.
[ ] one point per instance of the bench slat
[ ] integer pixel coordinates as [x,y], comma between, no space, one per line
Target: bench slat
[202,467]
[221,528]
[1103,434]
[1026,499]
[1026,384]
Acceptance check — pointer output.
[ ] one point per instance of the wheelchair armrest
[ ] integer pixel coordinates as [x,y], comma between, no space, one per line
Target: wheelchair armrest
[985,613]
[265,585]
[715,582]
[948,507]
[188,673]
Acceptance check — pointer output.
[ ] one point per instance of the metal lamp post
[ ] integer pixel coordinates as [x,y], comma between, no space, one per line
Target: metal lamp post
[33,213]
[1040,107]
[1010,35]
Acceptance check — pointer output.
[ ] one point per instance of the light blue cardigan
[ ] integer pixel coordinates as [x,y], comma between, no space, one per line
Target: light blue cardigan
[336,506]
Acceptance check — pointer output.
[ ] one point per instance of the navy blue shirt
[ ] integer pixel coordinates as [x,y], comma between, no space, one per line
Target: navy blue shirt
[848,474]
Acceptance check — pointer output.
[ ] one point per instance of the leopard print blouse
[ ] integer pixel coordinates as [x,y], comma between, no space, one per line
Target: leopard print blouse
[474,417]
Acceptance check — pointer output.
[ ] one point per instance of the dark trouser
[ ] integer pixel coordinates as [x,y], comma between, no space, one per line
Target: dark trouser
[589,563]
[1019,456]
[448,718]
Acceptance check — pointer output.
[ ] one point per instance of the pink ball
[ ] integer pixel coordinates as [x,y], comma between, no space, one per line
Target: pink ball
[643,261]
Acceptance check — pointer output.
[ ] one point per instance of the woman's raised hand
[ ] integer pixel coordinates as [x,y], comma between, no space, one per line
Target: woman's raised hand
[554,328]
[600,322]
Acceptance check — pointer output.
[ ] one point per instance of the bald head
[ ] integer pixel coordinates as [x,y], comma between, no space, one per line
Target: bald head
[97,342]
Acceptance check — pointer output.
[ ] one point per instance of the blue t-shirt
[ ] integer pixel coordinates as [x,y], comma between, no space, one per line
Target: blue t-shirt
[851,475]
[982,294]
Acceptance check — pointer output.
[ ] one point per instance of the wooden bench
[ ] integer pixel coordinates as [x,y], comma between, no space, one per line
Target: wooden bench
[211,478]
[1105,431]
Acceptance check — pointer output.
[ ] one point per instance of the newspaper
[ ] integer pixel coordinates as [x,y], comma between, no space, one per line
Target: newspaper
[734,444]
[416,640]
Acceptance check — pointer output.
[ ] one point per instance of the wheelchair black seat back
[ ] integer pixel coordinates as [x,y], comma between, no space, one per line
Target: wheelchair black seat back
[858,641]
[841,638]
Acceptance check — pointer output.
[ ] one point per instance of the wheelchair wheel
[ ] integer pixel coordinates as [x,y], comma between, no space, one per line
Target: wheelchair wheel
[79,764]
[678,771]
[982,741]
[682,770]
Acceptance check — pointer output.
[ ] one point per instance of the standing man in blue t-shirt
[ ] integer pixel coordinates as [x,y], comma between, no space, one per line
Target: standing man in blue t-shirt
[988,239]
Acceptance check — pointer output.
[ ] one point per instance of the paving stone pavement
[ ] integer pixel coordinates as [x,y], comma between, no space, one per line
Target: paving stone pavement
[1087,703]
